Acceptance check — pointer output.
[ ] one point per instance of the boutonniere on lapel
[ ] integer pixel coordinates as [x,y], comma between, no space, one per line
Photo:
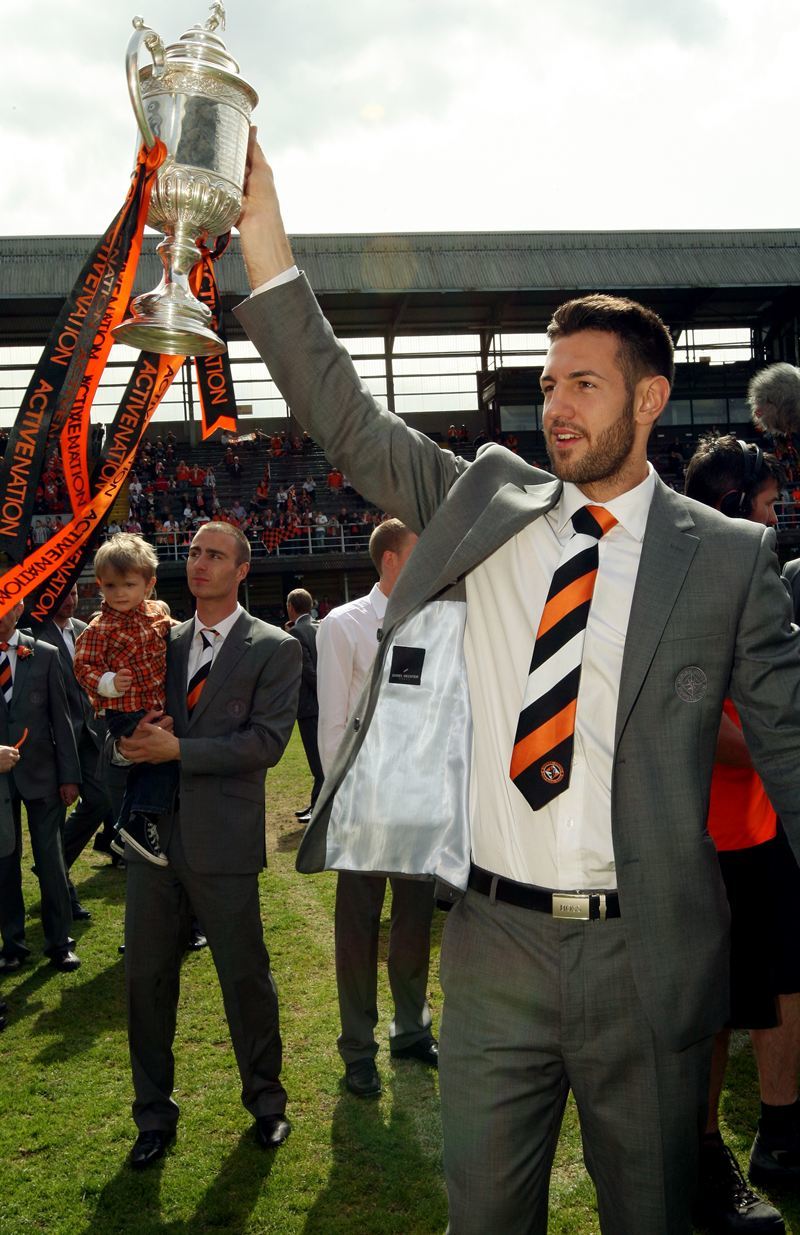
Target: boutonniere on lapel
[23,651]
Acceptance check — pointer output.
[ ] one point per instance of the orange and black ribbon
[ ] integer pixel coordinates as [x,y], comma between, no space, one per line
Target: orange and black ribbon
[72,361]
[214,376]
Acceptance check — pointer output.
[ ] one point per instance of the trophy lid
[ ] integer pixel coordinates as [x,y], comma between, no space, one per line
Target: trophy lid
[201,48]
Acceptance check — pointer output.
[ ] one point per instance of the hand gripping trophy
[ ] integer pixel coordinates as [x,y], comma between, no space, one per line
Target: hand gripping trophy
[194,100]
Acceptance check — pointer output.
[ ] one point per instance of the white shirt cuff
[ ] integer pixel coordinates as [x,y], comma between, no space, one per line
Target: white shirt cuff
[106,687]
[285,276]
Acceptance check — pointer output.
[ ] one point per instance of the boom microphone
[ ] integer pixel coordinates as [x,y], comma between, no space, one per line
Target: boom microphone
[774,399]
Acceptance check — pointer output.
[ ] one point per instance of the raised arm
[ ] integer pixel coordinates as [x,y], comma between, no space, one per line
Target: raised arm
[396,468]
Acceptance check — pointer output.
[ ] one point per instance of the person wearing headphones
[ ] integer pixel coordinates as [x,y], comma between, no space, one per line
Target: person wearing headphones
[762,880]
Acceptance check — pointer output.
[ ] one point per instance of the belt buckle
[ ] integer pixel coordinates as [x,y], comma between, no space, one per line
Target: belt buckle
[572,905]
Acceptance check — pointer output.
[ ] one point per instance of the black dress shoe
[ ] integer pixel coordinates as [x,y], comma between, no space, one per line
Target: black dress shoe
[79,914]
[362,1078]
[425,1051]
[65,961]
[272,1130]
[149,1147]
[197,941]
[305,813]
[9,963]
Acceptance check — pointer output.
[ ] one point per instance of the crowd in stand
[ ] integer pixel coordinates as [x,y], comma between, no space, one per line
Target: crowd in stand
[171,497]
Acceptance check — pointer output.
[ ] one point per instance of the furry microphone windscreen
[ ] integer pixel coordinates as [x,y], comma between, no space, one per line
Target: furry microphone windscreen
[774,398]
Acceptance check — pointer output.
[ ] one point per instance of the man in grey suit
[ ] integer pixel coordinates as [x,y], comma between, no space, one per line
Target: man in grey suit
[590,949]
[232,684]
[34,715]
[304,629]
[94,806]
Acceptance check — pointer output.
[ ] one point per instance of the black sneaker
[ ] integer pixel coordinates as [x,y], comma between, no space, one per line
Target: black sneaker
[142,835]
[775,1159]
[724,1203]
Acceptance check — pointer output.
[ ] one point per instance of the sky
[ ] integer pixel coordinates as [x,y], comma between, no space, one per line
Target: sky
[434,115]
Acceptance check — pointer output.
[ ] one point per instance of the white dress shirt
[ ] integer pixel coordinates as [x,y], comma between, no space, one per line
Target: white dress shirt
[567,844]
[68,635]
[347,643]
[222,628]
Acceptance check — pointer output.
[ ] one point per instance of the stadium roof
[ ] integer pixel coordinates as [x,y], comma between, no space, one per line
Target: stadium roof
[443,282]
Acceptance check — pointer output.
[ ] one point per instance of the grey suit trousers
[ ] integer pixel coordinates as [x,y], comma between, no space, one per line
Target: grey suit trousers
[359,901]
[159,902]
[534,1007]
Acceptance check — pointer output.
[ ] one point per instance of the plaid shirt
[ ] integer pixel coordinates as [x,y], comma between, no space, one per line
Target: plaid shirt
[134,641]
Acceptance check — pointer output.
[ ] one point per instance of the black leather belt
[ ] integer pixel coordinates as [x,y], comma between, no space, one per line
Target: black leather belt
[582,906]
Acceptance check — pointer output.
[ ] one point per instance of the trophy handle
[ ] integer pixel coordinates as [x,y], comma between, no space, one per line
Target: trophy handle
[152,41]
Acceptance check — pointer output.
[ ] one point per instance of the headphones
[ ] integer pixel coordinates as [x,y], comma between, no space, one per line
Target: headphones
[737,503]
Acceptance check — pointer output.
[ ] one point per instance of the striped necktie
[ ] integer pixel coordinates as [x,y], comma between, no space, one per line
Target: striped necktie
[200,675]
[543,745]
[6,682]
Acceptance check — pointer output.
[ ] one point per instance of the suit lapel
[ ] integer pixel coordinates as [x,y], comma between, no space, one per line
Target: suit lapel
[236,644]
[667,552]
[437,566]
[177,672]
[22,673]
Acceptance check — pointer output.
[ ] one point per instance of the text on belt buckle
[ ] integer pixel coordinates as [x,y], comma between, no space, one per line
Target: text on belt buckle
[576,905]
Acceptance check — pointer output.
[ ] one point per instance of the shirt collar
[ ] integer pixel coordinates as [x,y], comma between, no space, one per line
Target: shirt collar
[378,601]
[630,509]
[222,628]
[13,640]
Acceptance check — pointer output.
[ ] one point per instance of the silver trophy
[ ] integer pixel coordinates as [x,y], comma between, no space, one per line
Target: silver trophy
[193,98]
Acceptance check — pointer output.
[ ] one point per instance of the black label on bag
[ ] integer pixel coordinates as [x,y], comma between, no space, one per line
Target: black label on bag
[407,665]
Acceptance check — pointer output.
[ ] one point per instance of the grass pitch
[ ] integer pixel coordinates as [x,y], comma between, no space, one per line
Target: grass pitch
[349,1168]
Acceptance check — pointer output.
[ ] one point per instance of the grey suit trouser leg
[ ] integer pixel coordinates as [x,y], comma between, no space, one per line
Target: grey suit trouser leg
[534,1007]
[359,901]
[45,821]
[158,901]
[94,804]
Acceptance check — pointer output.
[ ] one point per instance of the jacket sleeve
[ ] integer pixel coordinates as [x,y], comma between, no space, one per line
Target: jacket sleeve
[335,652]
[396,468]
[67,761]
[765,686]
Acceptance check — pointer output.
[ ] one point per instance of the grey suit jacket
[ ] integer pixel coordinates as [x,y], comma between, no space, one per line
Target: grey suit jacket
[710,617]
[49,754]
[791,573]
[305,632]
[238,729]
[80,710]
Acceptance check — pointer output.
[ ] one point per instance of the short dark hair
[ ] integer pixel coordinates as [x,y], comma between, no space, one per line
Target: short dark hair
[724,466]
[388,537]
[645,344]
[243,551]
[300,600]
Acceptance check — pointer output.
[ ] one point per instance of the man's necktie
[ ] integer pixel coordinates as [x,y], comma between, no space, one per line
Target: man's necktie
[542,758]
[200,675]
[6,683]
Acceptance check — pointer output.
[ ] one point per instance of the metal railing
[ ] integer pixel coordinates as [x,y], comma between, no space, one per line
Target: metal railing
[273,542]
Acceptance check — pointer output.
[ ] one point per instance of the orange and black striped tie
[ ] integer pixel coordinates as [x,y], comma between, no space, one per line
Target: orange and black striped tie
[6,683]
[542,758]
[200,675]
